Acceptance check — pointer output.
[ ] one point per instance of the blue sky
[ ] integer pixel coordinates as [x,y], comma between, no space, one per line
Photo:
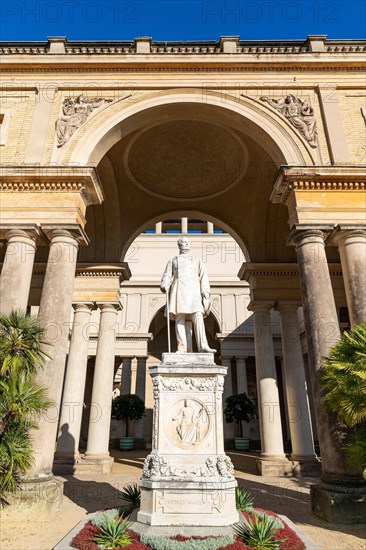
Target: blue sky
[181,19]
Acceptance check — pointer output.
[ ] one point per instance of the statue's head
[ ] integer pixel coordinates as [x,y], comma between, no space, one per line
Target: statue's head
[290,99]
[183,244]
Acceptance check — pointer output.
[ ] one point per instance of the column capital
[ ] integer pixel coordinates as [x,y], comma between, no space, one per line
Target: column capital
[265,306]
[347,232]
[27,233]
[302,234]
[287,306]
[84,306]
[112,307]
[72,233]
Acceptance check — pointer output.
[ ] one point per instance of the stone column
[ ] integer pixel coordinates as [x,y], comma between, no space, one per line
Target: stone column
[242,385]
[351,243]
[54,314]
[268,398]
[322,332]
[210,228]
[73,396]
[295,383]
[229,429]
[184,225]
[126,375]
[17,269]
[141,391]
[99,425]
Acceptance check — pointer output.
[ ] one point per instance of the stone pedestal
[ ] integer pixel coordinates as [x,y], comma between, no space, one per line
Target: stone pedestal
[187,479]
[339,504]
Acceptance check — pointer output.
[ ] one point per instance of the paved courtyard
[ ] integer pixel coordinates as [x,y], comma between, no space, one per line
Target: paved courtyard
[88,493]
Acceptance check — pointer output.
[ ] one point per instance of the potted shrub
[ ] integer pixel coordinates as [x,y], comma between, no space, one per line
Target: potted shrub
[127,407]
[239,408]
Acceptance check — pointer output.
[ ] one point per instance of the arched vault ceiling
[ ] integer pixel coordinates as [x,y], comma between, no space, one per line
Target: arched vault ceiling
[190,158]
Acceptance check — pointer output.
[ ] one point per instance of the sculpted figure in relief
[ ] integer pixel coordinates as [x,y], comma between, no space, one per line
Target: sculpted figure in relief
[186,282]
[188,427]
[75,111]
[299,113]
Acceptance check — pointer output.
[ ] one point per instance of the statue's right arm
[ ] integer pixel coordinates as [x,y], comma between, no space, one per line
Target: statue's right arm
[167,277]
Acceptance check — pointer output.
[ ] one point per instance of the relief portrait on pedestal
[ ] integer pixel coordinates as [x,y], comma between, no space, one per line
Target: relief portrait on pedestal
[187,422]
[186,283]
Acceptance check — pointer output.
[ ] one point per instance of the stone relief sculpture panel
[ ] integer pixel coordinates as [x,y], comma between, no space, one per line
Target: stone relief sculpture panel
[187,423]
[76,111]
[189,383]
[299,113]
[215,468]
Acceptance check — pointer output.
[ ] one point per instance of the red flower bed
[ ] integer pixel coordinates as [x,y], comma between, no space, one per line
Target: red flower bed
[84,540]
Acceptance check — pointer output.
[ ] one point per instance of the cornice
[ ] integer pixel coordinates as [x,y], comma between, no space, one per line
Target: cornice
[121,270]
[143,53]
[209,68]
[317,178]
[54,179]
[91,270]
[252,269]
[226,44]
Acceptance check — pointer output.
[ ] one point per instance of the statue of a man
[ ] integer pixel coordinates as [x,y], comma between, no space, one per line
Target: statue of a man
[185,279]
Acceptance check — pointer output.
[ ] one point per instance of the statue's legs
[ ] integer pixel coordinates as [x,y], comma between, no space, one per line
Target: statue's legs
[189,336]
[200,333]
[180,332]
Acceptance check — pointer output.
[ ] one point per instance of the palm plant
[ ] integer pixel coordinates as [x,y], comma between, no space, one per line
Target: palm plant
[344,382]
[21,343]
[21,398]
[15,457]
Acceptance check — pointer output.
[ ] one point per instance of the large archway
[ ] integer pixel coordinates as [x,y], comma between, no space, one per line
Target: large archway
[177,153]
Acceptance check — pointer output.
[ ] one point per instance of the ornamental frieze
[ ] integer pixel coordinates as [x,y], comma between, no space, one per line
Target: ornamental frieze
[214,468]
[183,384]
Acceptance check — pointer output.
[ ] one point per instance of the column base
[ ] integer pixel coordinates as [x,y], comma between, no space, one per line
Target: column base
[306,466]
[40,494]
[102,464]
[338,504]
[273,466]
[279,466]
[188,503]
[65,464]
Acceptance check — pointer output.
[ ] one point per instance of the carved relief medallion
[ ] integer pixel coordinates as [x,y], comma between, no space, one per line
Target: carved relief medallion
[187,423]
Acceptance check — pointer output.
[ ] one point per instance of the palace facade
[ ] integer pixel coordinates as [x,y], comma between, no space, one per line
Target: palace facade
[256,151]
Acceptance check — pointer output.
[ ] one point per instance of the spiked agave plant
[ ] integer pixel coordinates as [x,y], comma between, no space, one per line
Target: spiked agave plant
[114,534]
[131,496]
[259,533]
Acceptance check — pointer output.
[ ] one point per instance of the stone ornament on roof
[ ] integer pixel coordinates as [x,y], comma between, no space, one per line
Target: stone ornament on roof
[76,111]
[299,113]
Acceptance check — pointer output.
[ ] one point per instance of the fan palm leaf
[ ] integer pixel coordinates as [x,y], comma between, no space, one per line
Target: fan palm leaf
[22,343]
